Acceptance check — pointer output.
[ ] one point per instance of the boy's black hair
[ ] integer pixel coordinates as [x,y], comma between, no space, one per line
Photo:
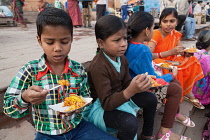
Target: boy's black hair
[200,1]
[138,22]
[203,41]
[168,11]
[53,17]
[107,26]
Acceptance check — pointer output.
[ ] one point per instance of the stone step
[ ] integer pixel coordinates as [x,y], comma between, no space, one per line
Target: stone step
[186,108]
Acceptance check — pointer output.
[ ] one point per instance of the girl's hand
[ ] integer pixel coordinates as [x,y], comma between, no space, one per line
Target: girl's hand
[175,71]
[34,95]
[177,50]
[71,113]
[140,83]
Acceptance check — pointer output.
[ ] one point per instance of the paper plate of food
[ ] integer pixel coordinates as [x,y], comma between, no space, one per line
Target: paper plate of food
[158,82]
[175,63]
[165,66]
[191,50]
[71,103]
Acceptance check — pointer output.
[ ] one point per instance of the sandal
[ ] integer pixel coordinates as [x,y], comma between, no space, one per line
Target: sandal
[142,137]
[167,135]
[187,122]
[194,101]
[190,39]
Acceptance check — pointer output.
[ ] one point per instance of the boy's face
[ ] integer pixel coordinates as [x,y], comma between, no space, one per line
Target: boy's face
[56,43]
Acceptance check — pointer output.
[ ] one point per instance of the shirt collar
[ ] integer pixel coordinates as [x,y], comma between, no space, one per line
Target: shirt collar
[44,67]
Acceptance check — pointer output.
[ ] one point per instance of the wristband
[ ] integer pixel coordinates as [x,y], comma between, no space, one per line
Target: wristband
[159,55]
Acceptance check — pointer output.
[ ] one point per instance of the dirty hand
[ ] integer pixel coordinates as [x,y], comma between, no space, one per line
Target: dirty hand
[34,95]
[175,71]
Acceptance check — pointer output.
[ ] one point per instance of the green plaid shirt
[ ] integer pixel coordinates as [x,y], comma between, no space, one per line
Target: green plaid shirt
[37,72]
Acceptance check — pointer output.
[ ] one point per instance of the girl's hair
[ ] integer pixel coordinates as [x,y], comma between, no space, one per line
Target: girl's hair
[138,22]
[203,40]
[107,26]
[53,17]
[168,11]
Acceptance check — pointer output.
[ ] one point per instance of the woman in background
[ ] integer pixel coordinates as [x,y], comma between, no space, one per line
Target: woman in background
[75,13]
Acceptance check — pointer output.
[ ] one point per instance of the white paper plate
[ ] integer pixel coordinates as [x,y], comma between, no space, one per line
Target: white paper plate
[59,107]
[191,52]
[159,65]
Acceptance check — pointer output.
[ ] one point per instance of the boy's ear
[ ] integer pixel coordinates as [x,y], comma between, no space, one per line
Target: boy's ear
[99,41]
[147,31]
[39,40]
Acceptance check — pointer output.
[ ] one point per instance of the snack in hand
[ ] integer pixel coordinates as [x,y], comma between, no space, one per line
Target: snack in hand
[64,82]
[74,102]
[191,50]
[154,83]
[165,65]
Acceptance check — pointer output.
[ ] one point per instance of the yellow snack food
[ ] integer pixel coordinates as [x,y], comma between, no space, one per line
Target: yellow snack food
[165,65]
[191,50]
[154,83]
[64,82]
[74,102]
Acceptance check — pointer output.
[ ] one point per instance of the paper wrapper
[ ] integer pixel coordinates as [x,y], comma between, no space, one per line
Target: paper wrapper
[59,107]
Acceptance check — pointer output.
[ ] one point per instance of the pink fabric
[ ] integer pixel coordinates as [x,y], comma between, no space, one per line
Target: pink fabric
[201,89]
[74,12]
[191,10]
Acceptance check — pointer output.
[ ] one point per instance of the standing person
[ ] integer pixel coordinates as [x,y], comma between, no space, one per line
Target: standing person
[201,89]
[28,87]
[17,9]
[74,13]
[117,97]
[198,12]
[101,7]
[165,45]
[206,7]
[139,58]
[185,8]
[86,13]
[124,9]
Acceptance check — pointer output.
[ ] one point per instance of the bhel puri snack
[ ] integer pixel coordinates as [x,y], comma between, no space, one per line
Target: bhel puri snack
[154,83]
[191,50]
[74,102]
[63,82]
[165,65]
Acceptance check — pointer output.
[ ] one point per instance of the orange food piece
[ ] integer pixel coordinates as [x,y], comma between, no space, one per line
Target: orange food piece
[74,102]
[165,65]
[154,83]
[64,82]
[191,50]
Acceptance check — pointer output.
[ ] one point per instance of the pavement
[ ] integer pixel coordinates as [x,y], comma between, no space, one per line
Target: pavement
[18,46]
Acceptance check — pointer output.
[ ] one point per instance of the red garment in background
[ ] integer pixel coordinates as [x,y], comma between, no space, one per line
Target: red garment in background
[74,12]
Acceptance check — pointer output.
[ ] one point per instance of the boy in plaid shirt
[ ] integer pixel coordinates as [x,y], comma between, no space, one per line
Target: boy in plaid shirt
[28,87]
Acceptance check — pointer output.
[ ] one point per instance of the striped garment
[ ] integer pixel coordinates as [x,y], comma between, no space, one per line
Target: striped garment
[38,72]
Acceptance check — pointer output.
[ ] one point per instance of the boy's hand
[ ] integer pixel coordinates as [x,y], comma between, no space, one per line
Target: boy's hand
[34,95]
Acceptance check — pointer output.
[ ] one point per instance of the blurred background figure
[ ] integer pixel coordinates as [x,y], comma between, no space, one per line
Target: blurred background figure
[198,12]
[74,13]
[41,4]
[5,12]
[86,13]
[124,11]
[17,9]
[101,6]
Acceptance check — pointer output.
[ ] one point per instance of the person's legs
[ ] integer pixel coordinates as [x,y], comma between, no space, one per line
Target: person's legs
[124,12]
[190,27]
[88,131]
[125,123]
[100,10]
[148,102]
[84,17]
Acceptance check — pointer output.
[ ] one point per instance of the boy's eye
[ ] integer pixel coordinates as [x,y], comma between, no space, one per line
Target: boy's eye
[172,21]
[49,43]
